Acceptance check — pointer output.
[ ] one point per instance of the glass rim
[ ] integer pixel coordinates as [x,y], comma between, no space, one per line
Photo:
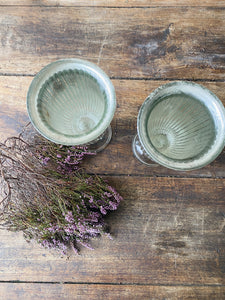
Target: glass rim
[65,64]
[189,164]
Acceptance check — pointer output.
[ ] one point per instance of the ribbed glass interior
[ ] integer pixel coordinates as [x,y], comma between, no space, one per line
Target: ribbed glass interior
[180,127]
[71,102]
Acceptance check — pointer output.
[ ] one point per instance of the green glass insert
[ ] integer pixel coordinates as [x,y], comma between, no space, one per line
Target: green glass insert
[71,103]
[180,127]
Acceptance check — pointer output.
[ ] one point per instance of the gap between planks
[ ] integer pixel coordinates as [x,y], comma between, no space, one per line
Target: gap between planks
[111,283]
[128,78]
[113,7]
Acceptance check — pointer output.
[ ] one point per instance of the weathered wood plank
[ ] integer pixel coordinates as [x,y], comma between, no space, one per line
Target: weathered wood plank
[114,3]
[117,158]
[140,42]
[26,291]
[166,231]
[13,113]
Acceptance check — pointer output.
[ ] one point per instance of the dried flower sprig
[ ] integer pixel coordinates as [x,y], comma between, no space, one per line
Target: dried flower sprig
[66,159]
[54,204]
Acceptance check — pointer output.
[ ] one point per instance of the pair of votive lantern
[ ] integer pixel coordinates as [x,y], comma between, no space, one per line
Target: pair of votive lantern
[180,125]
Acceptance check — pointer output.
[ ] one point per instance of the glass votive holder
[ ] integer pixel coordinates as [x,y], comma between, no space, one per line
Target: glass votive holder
[181,125]
[72,102]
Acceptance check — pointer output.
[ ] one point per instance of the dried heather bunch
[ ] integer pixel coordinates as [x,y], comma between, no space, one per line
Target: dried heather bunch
[49,205]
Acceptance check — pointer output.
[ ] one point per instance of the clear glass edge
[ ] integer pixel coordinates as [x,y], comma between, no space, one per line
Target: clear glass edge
[171,164]
[32,113]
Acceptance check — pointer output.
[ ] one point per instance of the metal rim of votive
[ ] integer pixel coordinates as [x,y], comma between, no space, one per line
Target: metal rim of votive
[216,109]
[62,65]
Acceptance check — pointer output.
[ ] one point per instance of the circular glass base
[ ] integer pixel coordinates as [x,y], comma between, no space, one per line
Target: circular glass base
[140,153]
[100,143]
[29,134]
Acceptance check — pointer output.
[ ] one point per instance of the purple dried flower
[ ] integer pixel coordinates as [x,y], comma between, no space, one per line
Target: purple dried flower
[69,217]
[67,159]
[103,211]
[116,195]
[78,208]
[53,228]
[45,160]
[86,245]
[81,227]
[113,205]
[69,230]
[107,194]
[91,199]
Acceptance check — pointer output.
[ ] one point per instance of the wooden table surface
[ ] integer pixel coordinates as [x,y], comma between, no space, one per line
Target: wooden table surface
[169,230]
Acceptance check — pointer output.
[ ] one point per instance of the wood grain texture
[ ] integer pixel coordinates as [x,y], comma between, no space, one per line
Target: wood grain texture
[166,231]
[29,291]
[151,42]
[169,230]
[117,158]
[114,3]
